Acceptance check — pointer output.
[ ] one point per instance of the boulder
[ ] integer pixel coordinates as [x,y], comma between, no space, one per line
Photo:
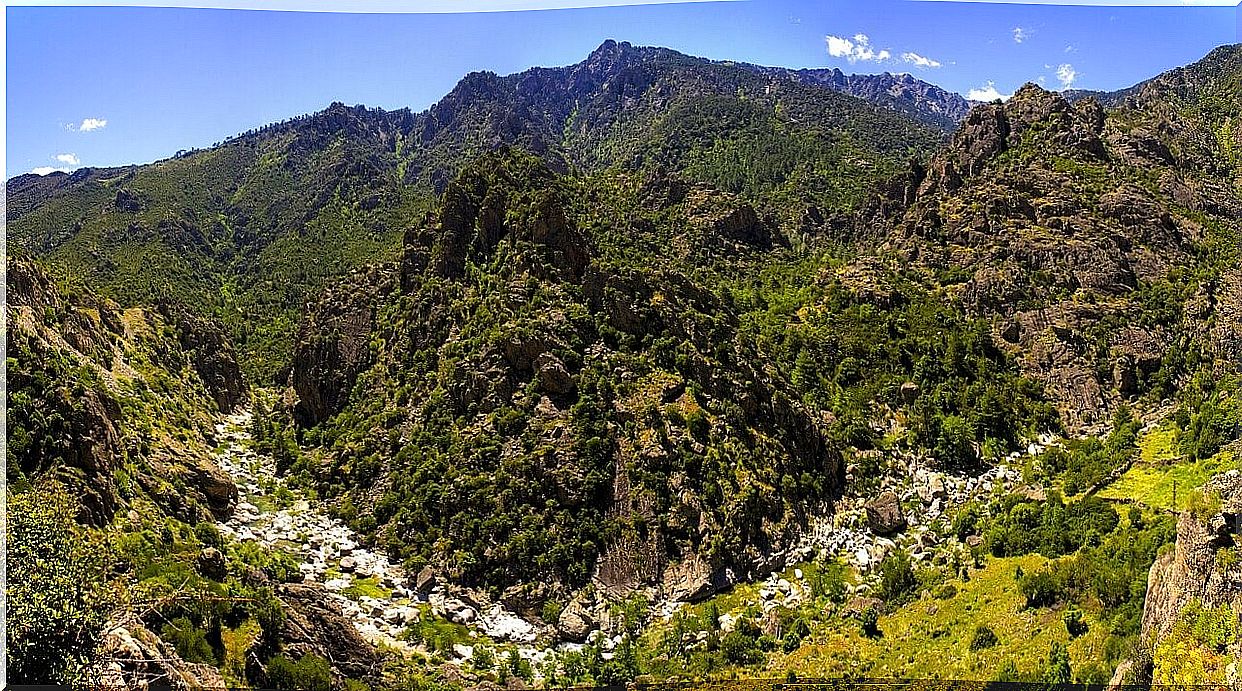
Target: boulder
[553,376]
[884,514]
[315,624]
[575,623]
[211,564]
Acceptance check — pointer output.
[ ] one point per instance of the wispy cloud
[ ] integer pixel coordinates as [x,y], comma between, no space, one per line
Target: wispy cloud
[986,93]
[1066,75]
[919,60]
[68,159]
[1019,34]
[855,49]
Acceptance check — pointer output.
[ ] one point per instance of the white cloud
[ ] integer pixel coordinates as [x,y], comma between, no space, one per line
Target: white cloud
[1066,75]
[855,49]
[1019,34]
[68,159]
[44,170]
[1069,49]
[88,125]
[986,93]
[919,60]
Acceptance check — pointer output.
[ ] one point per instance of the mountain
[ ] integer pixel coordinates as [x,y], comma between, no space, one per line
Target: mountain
[900,92]
[709,369]
[312,198]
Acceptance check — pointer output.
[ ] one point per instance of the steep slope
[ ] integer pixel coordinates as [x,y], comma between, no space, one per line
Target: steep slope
[541,400]
[116,405]
[1102,245]
[576,378]
[248,230]
[903,93]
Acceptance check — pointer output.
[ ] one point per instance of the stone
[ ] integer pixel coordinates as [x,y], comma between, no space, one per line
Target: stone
[211,564]
[884,514]
[909,392]
[425,581]
[553,376]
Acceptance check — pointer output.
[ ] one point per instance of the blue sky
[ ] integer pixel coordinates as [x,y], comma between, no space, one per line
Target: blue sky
[116,85]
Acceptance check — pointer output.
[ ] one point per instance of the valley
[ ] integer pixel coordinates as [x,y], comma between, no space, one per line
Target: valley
[644,369]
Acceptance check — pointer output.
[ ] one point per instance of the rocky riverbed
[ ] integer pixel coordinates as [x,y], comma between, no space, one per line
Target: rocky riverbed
[909,510]
[377,595]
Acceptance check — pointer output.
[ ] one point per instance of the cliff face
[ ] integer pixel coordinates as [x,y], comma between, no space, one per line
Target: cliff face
[114,402]
[1201,573]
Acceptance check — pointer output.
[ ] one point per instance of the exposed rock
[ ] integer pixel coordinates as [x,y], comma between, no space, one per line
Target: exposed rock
[212,354]
[315,624]
[332,344]
[553,376]
[1191,569]
[132,657]
[884,514]
[575,622]
[211,564]
[126,201]
[425,581]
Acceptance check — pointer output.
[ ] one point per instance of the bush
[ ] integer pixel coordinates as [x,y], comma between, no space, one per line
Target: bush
[869,620]
[983,638]
[56,600]
[1058,669]
[740,649]
[897,579]
[1074,623]
[189,640]
[310,673]
[1040,588]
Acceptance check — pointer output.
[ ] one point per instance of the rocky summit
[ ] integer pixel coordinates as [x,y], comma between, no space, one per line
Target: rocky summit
[644,369]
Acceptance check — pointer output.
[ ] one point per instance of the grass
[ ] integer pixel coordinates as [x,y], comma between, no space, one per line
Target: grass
[236,642]
[1151,484]
[367,587]
[930,639]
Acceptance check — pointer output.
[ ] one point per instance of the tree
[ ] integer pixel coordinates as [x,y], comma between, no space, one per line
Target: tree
[1058,671]
[56,589]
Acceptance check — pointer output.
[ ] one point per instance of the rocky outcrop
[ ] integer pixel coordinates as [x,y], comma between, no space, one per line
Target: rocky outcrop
[1200,568]
[332,346]
[1193,570]
[130,656]
[88,379]
[314,625]
[212,355]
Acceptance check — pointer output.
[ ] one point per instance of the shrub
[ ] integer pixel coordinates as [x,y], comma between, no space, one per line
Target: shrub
[1040,588]
[897,579]
[984,638]
[740,649]
[869,620]
[309,673]
[56,601]
[1074,622]
[189,640]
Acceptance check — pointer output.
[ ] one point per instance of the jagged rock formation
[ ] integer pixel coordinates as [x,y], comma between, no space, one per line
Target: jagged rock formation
[1072,229]
[314,625]
[1200,571]
[589,422]
[249,242]
[130,656]
[900,92]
